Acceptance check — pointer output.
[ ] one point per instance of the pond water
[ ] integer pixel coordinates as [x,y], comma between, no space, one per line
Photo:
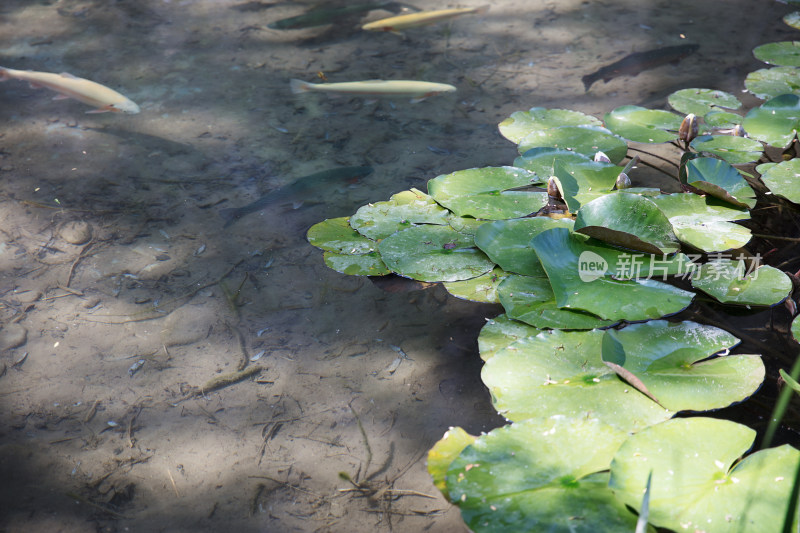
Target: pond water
[124,294]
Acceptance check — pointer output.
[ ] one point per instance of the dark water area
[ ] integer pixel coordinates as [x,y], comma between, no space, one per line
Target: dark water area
[122,291]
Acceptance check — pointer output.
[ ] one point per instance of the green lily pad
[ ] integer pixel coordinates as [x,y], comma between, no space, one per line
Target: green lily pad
[586,140]
[541,160]
[336,235]
[730,282]
[369,264]
[719,179]
[402,210]
[776,121]
[795,328]
[444,452]
[627,220]
[501,331]
[792,19]
[522,123]
[562,373]
[507,242]
[531,300]
[722,119]
[433,253]
[664,357]
[772,82]
[783,179]
[577,274]
[540,475]
[704,222]
[480,289]
[643,125]
[698,482]
[734,150]
[483,192]
[702,101]
[581,182]
[783,53]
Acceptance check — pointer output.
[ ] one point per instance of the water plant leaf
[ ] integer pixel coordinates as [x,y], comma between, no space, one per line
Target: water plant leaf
[444,452]
[541,160]
[792,19]
[729,281]
[402,210]
[480,289]
[735,150]
[501,331]
[586,140]
[776,121]
[562,373]
[369,264]
[702,101]
[643,125]
[671,360]
[433,253]
[582,182]
[722,119]
[694,485]
[771,82]
[508,242]
[484,192]
[783,179]
[336,235]
[796,328]
[579,276]
[719,179]
[627,220]
[791,383]
[531,300]
[522,123]
[703,222]
[540,475]
[783,53]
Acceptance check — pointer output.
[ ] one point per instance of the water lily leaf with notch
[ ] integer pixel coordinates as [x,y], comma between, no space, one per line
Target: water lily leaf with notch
[783,53]
[795,328]
[627,220]
[735,150]
[586,140]
[402,210]
[664,357]
[540,475]
[336,235]
[444,452]
[484,192]
[694,485]
[531,300]
[433,253]
[643,125]
[730,282]
[508,242]
[704,221]
[501,331]
[771,82]
[522,123]
[369,264]
[563,254]
[480,289]
[722,119]
[702,101]
[776,121]
[582,182]
[783,179]
[719,179]
[541,160]
[562,373]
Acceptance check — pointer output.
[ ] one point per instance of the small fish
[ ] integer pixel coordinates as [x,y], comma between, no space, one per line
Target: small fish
[417,90]
[423,18]
[321,16]
[633,64]
[302,189]
[69,86]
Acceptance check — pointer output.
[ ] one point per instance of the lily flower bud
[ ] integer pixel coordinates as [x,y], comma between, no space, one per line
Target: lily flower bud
[623,181]
[688,130]
[601,157]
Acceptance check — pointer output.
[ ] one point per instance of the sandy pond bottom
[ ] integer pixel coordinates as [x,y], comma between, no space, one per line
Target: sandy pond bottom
[122,294]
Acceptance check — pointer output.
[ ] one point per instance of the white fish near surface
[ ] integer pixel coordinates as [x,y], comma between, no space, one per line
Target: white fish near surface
[103,98]
[417,90]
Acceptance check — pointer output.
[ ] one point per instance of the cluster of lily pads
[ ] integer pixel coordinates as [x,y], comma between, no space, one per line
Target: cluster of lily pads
[582,363]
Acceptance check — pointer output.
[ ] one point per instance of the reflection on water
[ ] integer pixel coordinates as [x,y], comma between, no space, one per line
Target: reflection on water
[162,278]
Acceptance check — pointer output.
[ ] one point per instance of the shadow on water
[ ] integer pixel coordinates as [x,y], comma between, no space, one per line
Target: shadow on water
[161,281]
